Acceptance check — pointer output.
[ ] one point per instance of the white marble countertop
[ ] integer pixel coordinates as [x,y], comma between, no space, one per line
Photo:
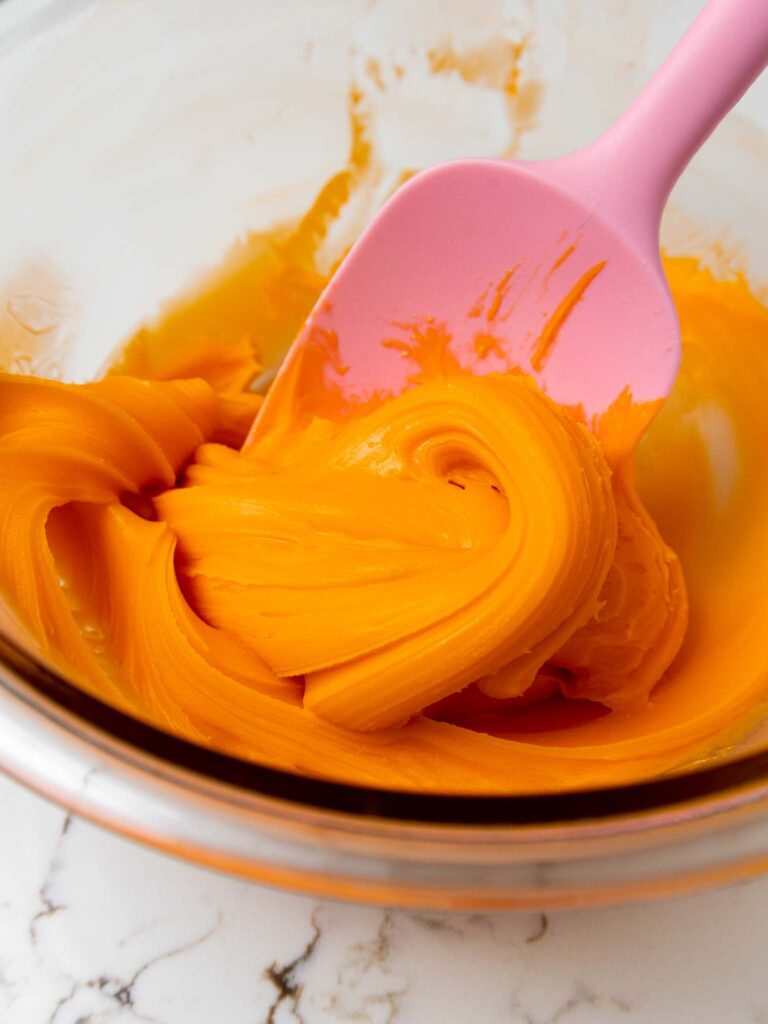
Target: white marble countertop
[95,929]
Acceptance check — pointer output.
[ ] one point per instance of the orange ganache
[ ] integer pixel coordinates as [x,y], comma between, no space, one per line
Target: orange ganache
[462,588]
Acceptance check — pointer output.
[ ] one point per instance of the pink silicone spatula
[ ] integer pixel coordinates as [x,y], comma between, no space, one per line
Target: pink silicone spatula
[552,266]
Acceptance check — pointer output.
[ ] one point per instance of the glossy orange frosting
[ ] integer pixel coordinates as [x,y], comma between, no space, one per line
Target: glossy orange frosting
[463,588]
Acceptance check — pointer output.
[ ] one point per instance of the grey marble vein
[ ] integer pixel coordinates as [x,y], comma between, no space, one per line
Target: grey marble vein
[121,991]
[286,981]
[581,996]
[542,928]
[49,904]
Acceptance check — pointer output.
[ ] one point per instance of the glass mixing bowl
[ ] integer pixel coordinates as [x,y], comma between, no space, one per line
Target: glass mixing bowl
[138,141]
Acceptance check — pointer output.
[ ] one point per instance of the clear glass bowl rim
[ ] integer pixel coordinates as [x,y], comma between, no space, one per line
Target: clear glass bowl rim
[569,808]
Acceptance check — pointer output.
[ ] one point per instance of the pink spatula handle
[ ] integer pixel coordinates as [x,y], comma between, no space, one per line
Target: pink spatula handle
[629,171]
